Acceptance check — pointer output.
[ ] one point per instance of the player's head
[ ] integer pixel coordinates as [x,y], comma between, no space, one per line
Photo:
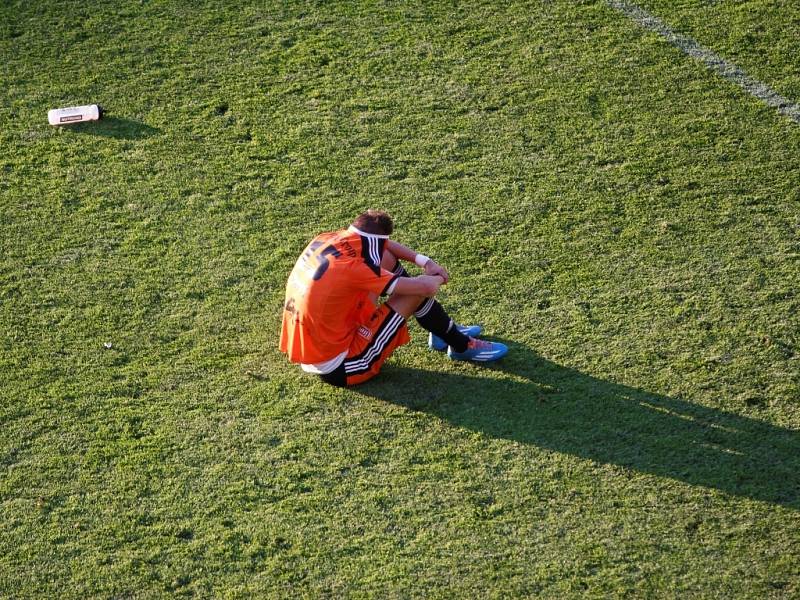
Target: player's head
[376,222]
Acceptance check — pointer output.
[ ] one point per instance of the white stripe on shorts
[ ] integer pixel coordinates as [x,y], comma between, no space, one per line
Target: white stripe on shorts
[378,345]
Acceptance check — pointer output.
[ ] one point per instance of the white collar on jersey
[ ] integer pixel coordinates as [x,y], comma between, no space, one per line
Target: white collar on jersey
[369,235]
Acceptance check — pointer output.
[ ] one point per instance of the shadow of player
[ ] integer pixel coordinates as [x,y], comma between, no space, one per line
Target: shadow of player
[544,404]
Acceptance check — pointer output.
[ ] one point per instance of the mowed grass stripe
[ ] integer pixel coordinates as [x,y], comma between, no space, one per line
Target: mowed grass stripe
[713,61]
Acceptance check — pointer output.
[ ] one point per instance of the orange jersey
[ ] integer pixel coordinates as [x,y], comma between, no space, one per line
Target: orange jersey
[328,294]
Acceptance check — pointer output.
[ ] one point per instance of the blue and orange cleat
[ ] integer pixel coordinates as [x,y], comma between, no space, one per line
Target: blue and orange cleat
[438,344]
[480,351]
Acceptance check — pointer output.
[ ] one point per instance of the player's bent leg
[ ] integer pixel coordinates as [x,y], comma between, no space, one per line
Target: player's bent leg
[432,317]
[445,334]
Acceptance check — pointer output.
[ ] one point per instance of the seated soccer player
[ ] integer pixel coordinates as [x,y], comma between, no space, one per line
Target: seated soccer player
[332,324]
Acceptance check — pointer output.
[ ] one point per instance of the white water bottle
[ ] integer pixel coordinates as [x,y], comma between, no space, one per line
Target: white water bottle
[74,114]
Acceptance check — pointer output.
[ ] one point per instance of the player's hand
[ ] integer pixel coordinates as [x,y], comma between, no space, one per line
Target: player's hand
[434,268]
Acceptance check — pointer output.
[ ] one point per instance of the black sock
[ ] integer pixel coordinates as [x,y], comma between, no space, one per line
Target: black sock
[432,316]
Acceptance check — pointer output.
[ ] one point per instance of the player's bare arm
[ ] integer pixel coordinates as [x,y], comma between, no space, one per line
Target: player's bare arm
[407,254]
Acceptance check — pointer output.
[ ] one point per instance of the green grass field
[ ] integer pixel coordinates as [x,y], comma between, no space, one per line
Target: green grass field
[627,221]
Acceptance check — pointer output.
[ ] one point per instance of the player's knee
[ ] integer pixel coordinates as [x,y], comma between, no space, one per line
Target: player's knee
[405,304]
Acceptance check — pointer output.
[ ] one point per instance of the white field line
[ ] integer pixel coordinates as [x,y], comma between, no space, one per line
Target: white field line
[714,62]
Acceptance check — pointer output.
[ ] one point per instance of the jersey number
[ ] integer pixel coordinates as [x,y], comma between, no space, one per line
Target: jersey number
[322,262]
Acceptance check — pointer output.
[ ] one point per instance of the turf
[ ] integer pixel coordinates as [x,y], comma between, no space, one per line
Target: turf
[626,221]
